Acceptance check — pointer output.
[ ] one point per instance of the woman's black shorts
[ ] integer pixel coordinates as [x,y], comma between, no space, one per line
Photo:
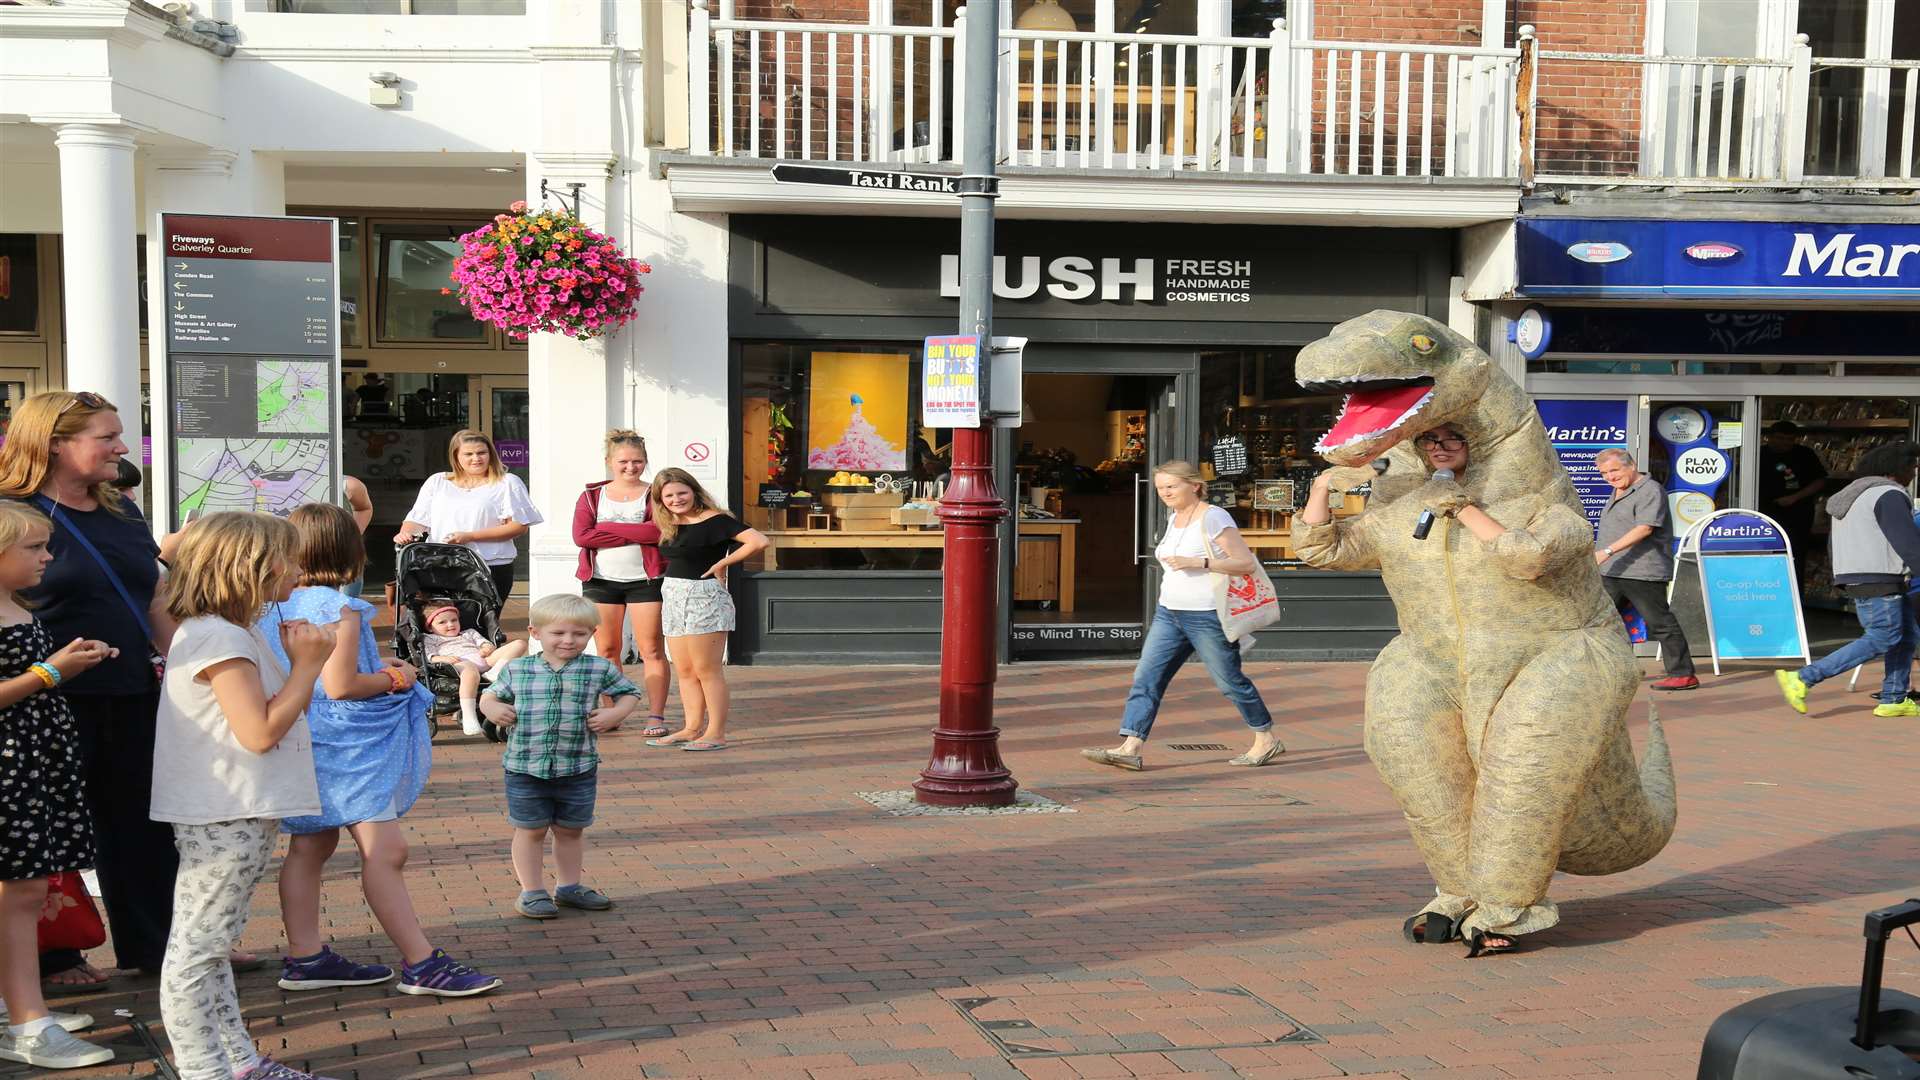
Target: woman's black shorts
[602,591]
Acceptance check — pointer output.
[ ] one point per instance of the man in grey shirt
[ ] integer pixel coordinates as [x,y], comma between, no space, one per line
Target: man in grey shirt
[1635,553]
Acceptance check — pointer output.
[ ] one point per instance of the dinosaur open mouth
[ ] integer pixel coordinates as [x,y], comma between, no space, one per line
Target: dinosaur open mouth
[1373,407]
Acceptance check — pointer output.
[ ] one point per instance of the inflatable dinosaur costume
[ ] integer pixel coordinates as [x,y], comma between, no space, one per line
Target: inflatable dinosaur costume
[1498,715]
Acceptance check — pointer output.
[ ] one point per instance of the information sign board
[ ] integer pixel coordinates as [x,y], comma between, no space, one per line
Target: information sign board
[252,417]
[1740,565]
[1580,428]
[950,382]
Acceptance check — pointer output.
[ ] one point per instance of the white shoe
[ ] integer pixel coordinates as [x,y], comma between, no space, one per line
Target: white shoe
[470,717]
[53,1048]
[67,1020]
[469,726]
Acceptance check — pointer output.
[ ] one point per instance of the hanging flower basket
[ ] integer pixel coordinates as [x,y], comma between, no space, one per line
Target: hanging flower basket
[545,273]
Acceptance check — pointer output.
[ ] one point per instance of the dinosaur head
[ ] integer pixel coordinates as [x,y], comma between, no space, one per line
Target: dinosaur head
[1402,374]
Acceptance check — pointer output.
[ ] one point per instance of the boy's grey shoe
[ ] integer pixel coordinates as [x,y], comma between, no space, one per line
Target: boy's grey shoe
[54,1048]
[72,1021]
[579,896]
[536,905]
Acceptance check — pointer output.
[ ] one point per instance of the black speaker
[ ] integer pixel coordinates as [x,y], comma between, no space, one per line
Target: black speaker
[1842,1032]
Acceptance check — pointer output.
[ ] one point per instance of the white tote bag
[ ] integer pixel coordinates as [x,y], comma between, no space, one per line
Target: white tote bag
[1244,602]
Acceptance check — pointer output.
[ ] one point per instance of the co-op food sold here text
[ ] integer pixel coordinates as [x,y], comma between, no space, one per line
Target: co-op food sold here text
[1076,277]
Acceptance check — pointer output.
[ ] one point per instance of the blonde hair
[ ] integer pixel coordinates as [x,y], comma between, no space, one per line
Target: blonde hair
[620,437]
[27,458]
[662,516]
[1185,472]
[327,545]
[495,467]
[566,608]
[229,565]
[17,522]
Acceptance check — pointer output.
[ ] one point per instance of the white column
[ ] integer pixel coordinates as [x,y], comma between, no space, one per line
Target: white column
[568,404]
[101,280]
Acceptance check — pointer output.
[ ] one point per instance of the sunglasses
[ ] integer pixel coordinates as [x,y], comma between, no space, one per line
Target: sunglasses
[1428,442]
[87,398]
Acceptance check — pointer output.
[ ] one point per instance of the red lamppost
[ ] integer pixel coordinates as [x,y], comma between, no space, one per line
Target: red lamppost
[965,769]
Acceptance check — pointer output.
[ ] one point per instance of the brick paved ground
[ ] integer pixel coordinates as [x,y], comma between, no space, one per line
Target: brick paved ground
[771,925]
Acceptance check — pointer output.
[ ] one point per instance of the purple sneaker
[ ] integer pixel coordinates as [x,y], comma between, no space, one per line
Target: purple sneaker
[329,970]
[269,1069]
[442,976]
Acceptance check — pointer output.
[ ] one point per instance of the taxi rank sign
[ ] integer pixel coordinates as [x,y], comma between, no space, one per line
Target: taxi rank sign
[251,418]
[869,179]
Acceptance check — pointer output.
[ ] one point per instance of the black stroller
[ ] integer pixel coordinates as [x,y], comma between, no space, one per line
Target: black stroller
[429,575]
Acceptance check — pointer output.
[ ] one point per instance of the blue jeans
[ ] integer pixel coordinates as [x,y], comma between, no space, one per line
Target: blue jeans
[1174,636]
[1891,630]
[567,801]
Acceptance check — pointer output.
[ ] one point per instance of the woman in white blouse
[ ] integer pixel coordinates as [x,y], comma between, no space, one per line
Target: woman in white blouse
[1200,541]
[477,504]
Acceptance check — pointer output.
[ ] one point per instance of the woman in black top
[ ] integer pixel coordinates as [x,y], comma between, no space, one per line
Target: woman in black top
[62,455]
[700,541]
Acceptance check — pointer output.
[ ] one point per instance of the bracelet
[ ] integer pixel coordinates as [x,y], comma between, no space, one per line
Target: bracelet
[398,680]
[48,674]
[1206,563]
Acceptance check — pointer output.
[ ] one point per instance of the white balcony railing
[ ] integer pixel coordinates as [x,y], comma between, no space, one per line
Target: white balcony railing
[814,91]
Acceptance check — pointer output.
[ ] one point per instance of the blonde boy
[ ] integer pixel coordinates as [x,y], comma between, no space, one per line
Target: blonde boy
[549,705]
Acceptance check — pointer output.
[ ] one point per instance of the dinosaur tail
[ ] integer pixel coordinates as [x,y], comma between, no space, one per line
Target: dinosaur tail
[1628,813]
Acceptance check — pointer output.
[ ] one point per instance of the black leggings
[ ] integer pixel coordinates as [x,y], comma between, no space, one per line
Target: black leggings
[502,580]
[136,857]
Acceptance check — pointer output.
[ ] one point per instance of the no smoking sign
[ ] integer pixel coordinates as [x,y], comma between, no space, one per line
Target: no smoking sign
[697,451]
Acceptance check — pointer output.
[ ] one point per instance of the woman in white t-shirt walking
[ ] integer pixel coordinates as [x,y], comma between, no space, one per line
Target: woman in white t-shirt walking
[476,503]
[620,566]
[1200,541]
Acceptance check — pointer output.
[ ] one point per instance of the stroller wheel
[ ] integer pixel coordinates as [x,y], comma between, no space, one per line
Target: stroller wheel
[492,733]
[433,727]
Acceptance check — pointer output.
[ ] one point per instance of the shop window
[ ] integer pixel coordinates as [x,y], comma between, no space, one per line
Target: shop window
[820,425]
[415,264]
[19,283]
[1257,432]
[350,282]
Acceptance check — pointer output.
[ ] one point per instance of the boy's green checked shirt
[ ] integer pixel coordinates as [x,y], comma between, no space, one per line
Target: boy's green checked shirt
[550,738]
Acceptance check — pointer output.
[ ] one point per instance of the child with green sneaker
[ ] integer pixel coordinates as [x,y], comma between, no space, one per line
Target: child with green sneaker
[549,706]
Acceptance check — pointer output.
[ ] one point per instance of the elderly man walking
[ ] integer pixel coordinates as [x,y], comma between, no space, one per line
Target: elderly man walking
[1635,553]
[1876,554]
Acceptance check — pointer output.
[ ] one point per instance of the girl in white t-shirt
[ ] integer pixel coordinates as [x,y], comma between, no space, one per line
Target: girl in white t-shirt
[476,503]
[1200,541]
[232,756]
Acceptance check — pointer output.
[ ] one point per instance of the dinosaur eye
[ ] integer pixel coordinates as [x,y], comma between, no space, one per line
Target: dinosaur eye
[1421,343]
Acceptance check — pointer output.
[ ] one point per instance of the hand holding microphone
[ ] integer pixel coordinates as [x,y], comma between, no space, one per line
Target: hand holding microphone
[1440,496]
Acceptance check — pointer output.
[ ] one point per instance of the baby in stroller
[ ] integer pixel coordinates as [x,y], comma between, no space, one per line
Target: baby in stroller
[468,652]
[432,576]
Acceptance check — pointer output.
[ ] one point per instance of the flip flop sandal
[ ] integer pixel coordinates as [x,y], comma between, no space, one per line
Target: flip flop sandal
[1429,928]
[69,989]
[654,731]
[667,744]
[701,745]
[1477,944]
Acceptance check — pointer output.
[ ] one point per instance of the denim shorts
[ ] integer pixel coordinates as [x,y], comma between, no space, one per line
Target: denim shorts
[566,801]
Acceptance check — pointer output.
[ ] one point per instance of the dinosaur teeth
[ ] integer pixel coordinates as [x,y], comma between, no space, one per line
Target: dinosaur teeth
[1364,415]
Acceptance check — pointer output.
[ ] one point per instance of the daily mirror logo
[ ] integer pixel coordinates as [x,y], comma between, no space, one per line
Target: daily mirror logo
[1712,251]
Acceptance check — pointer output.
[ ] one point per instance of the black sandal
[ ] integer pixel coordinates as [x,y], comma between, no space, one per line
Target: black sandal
[1429,928]
[1477,944]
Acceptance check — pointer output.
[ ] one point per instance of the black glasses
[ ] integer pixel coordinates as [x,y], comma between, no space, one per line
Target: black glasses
[1432,442]
[87,398]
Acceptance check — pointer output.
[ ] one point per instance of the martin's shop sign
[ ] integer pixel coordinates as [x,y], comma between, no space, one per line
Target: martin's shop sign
[1752,259]
[1089,270]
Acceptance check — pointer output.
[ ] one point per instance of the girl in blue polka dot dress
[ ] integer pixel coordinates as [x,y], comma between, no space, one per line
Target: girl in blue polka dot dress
[371,754]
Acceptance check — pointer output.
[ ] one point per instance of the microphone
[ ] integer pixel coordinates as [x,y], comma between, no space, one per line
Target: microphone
[1425,525]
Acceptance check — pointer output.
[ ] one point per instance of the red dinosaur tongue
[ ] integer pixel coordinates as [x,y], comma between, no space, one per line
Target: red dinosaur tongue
[1369,412]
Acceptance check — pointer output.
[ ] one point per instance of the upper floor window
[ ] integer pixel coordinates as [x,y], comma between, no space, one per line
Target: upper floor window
[398,7]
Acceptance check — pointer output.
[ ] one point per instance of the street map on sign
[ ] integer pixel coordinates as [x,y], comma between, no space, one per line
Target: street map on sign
[273,475]
[293,395]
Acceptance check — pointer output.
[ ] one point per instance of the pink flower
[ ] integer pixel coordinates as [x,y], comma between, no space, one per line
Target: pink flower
[518,206]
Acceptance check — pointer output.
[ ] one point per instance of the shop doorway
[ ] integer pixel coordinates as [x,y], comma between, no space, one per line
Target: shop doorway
[1695,449]
[1084,577]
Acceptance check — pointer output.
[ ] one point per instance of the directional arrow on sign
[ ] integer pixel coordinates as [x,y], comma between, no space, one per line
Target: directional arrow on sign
[179,286]
[179,305]
[179,266]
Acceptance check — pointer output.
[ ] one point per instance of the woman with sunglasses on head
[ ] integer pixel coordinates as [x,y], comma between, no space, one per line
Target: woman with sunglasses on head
[62,455]
[621,566]
[476,503]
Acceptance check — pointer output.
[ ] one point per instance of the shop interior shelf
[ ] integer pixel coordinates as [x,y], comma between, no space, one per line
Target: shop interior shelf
[1854,425]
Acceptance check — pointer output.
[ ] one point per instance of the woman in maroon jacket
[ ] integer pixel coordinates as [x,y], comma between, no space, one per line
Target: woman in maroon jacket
[621,566]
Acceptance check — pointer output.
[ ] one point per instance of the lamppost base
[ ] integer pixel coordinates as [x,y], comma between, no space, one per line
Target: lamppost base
[965,771]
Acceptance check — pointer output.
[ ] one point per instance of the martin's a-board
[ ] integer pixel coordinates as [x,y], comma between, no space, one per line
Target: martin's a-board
[246,382]
[1842,1032]
[1733,583]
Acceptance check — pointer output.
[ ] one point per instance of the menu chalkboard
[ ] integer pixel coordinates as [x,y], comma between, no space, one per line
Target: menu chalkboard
[1229,456]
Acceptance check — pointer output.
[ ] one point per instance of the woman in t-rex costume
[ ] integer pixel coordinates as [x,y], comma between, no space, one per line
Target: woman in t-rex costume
[1498,716]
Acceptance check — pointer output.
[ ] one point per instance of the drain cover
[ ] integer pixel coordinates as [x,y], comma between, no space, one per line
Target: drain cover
[1130,1020]
[1198,746]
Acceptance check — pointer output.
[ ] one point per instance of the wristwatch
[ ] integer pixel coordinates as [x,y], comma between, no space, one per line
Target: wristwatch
[1607,551]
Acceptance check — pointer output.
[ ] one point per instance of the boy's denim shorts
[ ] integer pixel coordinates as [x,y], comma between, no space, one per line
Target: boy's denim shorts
[566,801]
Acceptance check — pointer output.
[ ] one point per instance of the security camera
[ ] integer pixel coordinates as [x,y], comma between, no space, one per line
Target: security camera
[384,78]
